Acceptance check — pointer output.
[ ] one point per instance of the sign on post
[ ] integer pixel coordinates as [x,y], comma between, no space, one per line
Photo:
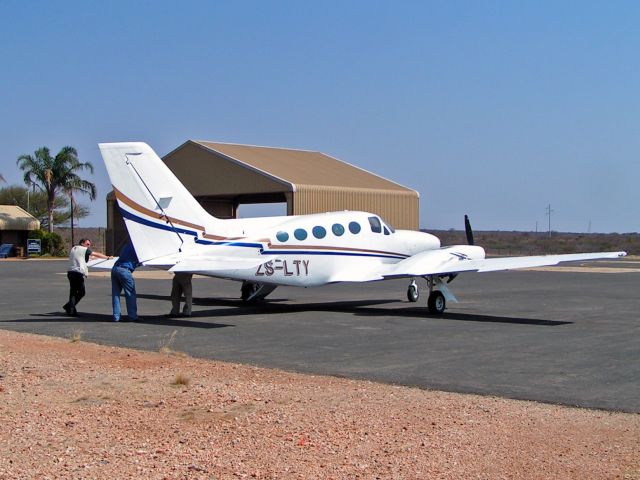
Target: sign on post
[33,246]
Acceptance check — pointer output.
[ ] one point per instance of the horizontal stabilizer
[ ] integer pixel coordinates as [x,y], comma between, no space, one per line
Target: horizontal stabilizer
[212,265]
[102,263]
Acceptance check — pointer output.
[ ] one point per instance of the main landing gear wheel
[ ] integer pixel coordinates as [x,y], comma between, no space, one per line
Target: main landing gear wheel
[436,303]
[413,293]
[247,290]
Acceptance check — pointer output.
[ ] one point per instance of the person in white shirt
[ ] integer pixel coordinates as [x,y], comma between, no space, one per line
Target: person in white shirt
[76,273]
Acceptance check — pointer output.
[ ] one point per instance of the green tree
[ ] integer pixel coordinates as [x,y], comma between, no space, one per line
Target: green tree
[56,175]
[36,204]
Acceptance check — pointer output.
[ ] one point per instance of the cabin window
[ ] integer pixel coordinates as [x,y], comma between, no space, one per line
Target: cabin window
[376,226]
[300,234]
[337,229]
[282,236]
[319,232]
[385,230]
[354,227]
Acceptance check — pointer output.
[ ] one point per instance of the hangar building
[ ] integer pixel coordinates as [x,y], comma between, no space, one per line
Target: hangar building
[222,176]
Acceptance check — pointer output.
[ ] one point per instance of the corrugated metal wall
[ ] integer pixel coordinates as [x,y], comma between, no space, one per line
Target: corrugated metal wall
[400,209]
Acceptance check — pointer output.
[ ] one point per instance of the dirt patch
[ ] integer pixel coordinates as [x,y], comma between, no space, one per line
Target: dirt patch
[79,410]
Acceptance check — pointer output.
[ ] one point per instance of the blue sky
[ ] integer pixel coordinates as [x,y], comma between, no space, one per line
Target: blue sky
[494,108]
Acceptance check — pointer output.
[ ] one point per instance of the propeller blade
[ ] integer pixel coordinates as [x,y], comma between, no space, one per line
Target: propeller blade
[468,230]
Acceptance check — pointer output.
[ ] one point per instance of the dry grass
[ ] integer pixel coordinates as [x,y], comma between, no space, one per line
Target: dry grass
[76,336]
[166,347]
[182,379]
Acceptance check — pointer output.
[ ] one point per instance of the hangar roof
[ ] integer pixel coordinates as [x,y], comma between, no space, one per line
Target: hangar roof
[298,167]
[13,217]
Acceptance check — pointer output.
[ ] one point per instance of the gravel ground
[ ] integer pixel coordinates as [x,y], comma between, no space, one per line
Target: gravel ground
[71,409]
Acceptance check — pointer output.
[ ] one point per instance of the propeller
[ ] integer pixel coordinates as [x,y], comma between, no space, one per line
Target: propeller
[469,232]
[467,229]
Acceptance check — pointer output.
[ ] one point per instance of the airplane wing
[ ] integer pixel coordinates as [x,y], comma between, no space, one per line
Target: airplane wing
[359,275]
[445,261]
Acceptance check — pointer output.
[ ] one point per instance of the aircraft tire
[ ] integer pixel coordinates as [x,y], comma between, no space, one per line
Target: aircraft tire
[413,293]
[247,289]
[437,303]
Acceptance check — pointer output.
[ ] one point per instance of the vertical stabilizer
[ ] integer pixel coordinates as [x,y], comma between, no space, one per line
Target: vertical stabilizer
[162,217]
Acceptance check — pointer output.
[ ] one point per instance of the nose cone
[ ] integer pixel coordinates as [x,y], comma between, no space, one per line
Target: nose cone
[416,242]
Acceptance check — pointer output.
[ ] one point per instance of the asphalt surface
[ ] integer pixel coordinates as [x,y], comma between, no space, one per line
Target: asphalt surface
[560,337]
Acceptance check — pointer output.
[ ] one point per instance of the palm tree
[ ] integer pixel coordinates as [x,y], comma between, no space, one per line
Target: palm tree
[55,175]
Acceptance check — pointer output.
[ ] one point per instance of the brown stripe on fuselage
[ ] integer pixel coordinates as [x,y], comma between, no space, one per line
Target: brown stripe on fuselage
[140,209]
[218,237]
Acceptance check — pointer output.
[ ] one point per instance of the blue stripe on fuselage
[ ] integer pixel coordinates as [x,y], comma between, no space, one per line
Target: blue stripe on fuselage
[128,215]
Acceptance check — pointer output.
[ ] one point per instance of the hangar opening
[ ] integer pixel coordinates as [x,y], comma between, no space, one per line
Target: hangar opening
[235,181]
[248,210]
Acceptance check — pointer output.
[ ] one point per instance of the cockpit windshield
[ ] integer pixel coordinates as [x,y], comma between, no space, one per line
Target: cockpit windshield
[388,225]
[380,226]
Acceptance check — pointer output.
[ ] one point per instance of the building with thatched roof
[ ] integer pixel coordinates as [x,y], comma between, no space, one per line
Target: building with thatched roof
[15,225]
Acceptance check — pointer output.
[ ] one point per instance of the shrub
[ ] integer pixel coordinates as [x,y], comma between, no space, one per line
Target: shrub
[51,242]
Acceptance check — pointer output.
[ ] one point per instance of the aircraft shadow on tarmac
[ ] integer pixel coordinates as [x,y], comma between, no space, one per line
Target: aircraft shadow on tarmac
[89,317]
[365,308]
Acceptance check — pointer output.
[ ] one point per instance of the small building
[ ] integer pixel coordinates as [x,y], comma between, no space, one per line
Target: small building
[15,225]
[223,176]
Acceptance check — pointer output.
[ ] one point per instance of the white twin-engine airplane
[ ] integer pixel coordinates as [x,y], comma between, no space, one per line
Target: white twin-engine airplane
[170,230]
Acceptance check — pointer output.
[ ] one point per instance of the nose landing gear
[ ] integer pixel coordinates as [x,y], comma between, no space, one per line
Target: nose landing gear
[438,294]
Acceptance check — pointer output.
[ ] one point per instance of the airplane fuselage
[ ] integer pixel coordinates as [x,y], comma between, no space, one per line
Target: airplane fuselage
[323,248]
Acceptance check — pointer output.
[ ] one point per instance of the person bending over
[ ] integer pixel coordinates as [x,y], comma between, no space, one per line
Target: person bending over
[77,272]
[122,280]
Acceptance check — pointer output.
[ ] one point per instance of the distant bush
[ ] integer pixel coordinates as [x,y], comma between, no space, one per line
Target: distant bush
[532,243]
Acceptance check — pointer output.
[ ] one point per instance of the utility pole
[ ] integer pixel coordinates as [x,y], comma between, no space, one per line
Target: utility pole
[549,212]
[72,236]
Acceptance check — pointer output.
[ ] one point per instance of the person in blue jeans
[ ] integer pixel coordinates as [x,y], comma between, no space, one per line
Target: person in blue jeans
[122,280]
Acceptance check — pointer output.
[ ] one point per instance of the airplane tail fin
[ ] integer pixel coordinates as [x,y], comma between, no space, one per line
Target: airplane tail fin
[162,217]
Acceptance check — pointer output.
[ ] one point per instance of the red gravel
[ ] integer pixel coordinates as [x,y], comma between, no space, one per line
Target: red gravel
[84,411]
